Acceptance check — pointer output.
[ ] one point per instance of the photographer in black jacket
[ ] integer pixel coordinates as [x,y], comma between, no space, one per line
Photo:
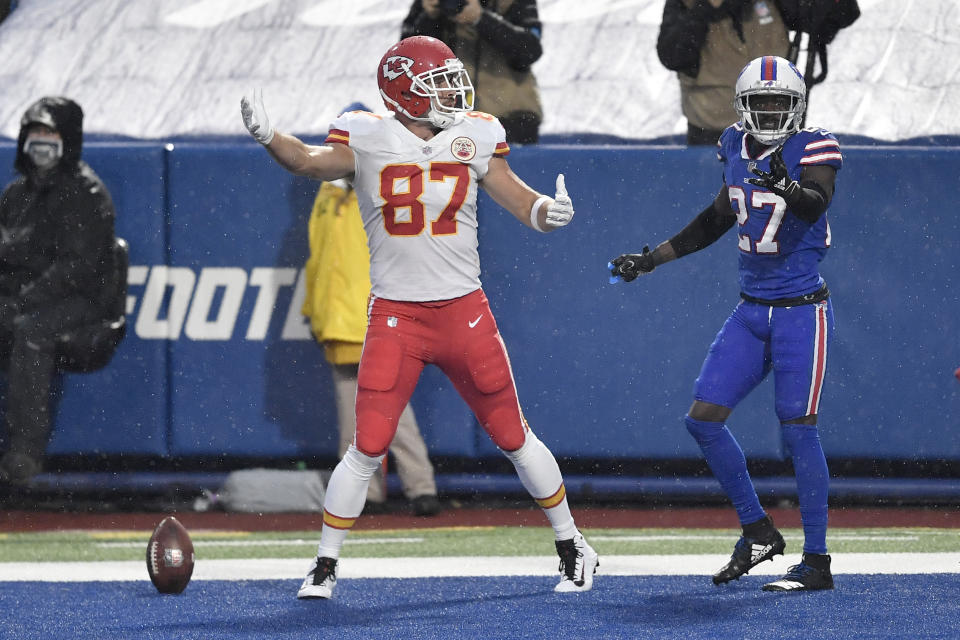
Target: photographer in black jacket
[58,270]
[708,42]
[497,41]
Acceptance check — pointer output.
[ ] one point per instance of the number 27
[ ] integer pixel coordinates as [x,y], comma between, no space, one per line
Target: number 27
[767,243]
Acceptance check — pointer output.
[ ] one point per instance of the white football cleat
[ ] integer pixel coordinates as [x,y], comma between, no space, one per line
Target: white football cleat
[578,563]
[320,580]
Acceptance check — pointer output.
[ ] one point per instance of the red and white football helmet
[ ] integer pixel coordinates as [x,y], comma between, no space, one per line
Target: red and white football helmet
[421,78]
[770,98]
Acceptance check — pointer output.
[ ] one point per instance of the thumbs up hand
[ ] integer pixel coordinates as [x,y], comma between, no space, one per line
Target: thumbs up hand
[560,211]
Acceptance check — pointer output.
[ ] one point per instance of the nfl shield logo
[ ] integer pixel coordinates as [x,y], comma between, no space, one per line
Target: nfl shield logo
[173,557]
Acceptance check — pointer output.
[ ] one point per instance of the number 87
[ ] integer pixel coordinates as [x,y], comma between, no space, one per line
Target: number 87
[446,223]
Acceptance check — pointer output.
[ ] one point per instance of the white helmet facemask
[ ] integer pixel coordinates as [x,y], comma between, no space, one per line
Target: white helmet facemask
[771,99]
[447,84]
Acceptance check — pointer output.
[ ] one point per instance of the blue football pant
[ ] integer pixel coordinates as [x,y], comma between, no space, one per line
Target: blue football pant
[792,342]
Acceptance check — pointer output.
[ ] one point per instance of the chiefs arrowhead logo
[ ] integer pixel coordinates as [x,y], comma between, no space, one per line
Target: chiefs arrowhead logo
[396,66]
[463,148]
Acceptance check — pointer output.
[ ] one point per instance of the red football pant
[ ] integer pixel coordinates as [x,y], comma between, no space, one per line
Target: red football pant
[460,336]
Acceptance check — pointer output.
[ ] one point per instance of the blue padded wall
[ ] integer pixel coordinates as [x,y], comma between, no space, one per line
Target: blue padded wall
[607,370]
[218,360]
[237,389]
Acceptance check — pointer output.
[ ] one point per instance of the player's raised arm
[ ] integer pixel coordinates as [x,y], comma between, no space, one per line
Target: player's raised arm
[291,153]
[537,211]
[807,199]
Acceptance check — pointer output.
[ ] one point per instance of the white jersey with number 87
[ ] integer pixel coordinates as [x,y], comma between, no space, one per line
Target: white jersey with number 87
[418,199]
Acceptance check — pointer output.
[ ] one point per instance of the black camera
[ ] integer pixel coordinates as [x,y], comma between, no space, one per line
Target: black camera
[452,7]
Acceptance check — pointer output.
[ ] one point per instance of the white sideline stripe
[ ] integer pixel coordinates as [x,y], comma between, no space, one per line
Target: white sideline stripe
[296,542]
[466,566]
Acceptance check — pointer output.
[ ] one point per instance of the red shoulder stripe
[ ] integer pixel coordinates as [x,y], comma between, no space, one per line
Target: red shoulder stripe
[338,136]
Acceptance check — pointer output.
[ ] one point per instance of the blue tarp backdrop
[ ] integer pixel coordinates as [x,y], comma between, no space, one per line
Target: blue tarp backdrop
[219,361]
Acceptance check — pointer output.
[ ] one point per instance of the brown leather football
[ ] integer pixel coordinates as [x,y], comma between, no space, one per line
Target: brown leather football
[170,556]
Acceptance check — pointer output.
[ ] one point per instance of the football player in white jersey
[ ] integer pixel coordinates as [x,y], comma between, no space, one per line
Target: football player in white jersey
[416,172]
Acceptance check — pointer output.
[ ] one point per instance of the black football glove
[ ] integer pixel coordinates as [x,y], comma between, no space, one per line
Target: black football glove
[778,180]
[630,265]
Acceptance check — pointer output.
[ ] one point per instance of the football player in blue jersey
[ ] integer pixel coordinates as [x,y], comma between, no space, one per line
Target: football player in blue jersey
[778,180]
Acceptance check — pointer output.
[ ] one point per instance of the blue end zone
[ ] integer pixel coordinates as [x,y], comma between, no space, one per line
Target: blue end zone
[878,607]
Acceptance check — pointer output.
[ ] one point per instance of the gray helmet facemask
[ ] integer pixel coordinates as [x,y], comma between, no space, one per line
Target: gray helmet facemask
[43,151]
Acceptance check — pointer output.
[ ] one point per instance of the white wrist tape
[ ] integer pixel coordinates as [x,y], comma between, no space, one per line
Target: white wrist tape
[535,211]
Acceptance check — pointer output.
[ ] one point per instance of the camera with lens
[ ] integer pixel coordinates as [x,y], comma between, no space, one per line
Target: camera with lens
[451,8]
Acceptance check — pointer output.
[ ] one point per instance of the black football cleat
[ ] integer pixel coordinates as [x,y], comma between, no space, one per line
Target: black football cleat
[751,551]
[812,574]
[578,563]
[426,506]
[320,580]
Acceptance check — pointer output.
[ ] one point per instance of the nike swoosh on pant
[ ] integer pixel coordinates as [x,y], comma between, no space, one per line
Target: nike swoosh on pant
[474,323]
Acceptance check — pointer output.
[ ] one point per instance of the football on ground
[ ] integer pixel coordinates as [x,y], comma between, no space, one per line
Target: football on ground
[170,556]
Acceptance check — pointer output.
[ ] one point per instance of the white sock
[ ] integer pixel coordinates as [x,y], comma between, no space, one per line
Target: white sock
[345,497]
[540,476]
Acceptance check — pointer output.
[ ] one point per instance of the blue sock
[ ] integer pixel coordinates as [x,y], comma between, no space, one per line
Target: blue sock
[813,483]
[725,458]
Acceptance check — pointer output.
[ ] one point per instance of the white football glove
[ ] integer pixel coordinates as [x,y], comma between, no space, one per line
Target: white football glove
[255,117]
[560,212]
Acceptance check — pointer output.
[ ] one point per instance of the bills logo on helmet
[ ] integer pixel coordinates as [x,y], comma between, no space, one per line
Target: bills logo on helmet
[463,148]
[396,66]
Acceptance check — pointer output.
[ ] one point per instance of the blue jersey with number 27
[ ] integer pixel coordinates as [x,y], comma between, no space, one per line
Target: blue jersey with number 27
[779,253]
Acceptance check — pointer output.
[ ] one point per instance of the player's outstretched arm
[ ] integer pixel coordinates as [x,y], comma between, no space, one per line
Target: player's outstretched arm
[704,230]
[537,211]
[630,265]
[291,153]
